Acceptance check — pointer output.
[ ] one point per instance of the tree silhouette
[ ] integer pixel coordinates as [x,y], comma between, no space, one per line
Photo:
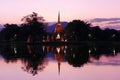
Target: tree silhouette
[77,30]
[10,32]
[77,56]
[31,18]
[33,59]
[97,32]
[34,26]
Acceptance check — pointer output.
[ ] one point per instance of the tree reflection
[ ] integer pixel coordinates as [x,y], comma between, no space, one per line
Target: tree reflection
[34,64]
[77,55]
[34,56]
[35,61]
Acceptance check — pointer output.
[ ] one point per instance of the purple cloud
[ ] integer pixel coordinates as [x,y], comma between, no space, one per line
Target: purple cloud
[112,62]
[114,22]
[104,19]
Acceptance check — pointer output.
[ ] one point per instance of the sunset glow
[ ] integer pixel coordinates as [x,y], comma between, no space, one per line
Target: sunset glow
[87,72]
[11,11]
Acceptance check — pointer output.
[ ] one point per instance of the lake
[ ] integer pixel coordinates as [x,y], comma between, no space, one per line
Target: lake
[59,62]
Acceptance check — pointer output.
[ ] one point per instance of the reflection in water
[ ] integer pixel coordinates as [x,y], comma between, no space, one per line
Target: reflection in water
[34,57]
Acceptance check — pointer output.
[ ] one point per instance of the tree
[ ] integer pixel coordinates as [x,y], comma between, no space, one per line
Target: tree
[97,32]
[77,30]
[10,32]
[31,18]
[34,26]
[77,56]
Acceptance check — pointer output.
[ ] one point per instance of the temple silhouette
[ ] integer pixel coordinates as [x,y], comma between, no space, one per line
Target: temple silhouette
[58,52]
[59,57]
[58,33]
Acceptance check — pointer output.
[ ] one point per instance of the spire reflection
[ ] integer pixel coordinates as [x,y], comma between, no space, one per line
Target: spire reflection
[35,57]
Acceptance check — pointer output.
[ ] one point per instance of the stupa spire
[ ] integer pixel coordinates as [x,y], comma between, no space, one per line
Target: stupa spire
[59,68]
[58,17]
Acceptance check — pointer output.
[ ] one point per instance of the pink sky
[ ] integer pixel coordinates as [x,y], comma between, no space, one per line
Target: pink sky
[13,71]
[11,11]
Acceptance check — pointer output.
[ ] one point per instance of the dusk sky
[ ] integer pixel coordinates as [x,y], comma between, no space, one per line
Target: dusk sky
[11,11]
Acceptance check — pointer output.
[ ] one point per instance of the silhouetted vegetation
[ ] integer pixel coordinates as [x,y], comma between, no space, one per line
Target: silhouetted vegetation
[33,29]
[34,57]
[31,56]
[10,32]
[77,55]
[78,30]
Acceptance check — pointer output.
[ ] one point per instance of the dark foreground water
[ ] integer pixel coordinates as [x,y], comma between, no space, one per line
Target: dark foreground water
[65,62]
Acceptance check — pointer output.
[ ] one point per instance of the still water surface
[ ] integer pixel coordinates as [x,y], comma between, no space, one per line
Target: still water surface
[38,62]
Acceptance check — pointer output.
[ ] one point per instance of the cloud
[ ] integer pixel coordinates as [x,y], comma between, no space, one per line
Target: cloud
[115,63]
[113,22]
[104,19]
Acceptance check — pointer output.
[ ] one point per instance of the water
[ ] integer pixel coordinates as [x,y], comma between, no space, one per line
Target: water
[59,62]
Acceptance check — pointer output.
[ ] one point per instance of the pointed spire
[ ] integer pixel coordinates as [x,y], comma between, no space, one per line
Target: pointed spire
[58,17]
[59,68]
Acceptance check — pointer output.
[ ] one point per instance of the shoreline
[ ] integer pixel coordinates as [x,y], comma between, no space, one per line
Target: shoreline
[63,43]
